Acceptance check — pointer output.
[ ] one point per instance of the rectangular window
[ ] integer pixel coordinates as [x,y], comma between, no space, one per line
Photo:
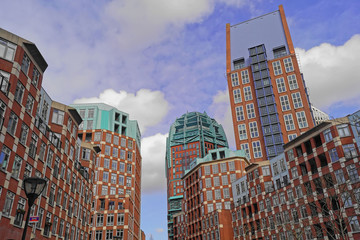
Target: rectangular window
[245,147]
[353,173]
[25,64]
[239,113]
[297,100]
[29,104]
[223,167]
[288,65]
[8,203]
[250,111]
[333,155]
[16,167]
[253,129]
[35,76]
[237,96]
[289,122]
[4,81]
[23,134]
[281,85]
[301,118]
[277,68]
[234,79]
[13,120]
[19,92]
[242,131]
[247,93]
[245,76]
[209,196]
[257,149]
[58,117]
[339,174]
[349,151]
[224,180]
[284,101]
[292,82]
[343,130]
[7,50]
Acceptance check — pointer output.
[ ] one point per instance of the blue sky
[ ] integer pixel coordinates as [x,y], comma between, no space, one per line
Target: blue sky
[157,59]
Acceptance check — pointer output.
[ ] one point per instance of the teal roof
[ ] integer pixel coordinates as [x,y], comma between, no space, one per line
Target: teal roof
[110,118]
[194,127]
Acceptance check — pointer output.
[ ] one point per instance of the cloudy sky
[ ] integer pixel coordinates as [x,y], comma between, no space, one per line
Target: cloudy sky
[157,59]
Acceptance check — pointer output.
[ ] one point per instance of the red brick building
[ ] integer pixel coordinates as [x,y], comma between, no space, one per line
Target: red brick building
[39,137]
[268,96]
[208,195]
[319,200]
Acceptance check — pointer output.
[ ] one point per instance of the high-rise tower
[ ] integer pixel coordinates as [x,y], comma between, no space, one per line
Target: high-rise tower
[117,182]
[269,100]
[190,136]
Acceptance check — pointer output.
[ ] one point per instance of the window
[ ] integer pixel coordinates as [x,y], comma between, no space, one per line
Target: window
[242,131]
[354,223]
[339,174]
[327,135]
[234,79]
[250,110]
[239,63]
[292,82]
[288,65]
[105,177]
[266,170]
[223,167]
[16,167]
[253,129]
[245,147]
[35,76]
[128,181]
[346,198]
[104,190]
[333,155]
[208,182]
[121,180]
[58,117]
[239,113]
[25,64]
[301,118]
[110,220]
[257,149]
[107,150]
[289,122]
[247,93]
[7,49]
[99,220]
[19,92]
[279,52]
[281,85]
[217,194]
[13,119]
[245,76]
[89,124]
[297,100]
[292,136]
[343,130]
[275,168]
[294,172]
[353,173]
[277,68]
[29,104]
[120,219]
[4,84]
[209,196]
[284,101]
[225,181]
[349,151]
[215,169]
[8,203]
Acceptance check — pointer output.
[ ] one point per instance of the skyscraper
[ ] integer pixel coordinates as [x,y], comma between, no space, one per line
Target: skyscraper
[190,136]
[117,183]
[269,100]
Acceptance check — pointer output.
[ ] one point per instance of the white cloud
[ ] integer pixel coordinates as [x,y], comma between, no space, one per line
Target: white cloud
[153,151]
[140,23]
[221,111]
[146,106]
[331,74]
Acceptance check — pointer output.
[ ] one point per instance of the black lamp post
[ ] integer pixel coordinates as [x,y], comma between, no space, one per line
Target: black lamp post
[33,188]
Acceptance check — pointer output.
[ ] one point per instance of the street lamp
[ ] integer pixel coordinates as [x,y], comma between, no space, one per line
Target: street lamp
[33,188]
